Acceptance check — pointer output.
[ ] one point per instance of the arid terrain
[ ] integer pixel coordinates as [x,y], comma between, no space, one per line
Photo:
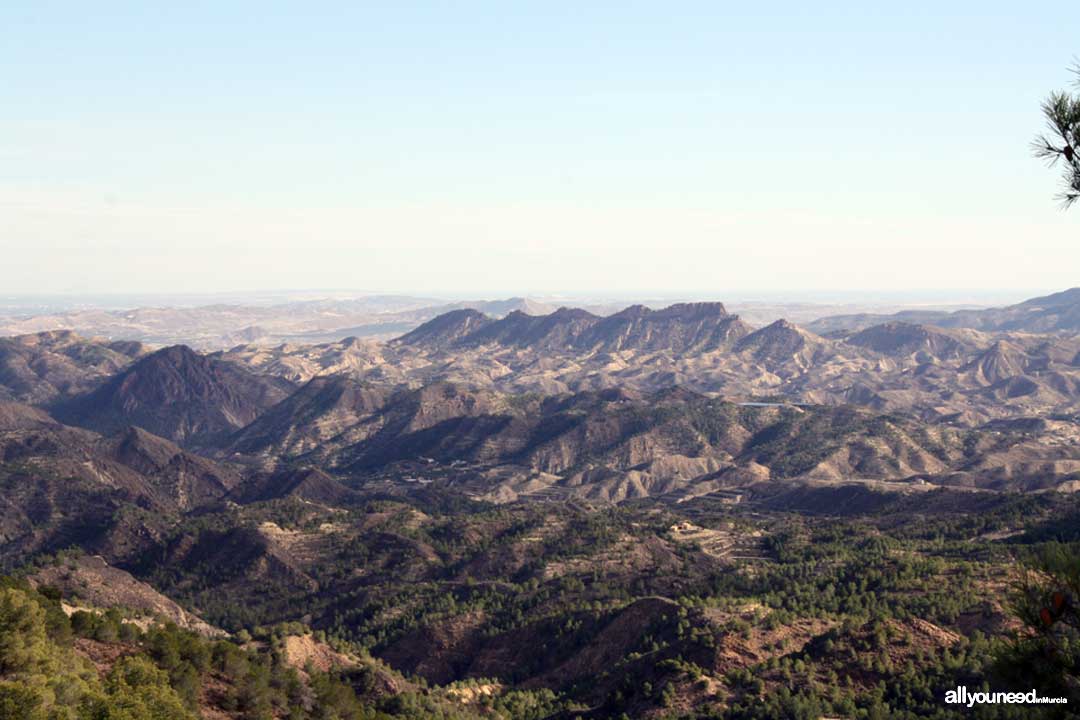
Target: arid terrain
[550,514]
[221,322]
[539,361]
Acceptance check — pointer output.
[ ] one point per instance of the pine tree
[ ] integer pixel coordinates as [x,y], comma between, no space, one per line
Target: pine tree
[23,644]
[1062,144]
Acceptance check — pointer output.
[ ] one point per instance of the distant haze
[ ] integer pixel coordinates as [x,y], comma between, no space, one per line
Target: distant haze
[480,149]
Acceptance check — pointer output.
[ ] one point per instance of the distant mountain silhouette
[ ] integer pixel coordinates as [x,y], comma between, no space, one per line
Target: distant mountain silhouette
[679,328]
[1059,312]
[684,327]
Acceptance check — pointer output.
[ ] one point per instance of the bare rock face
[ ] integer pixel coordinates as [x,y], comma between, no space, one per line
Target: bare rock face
[681,328]
[611,445]
[556,331]
[685,327]
[999,362]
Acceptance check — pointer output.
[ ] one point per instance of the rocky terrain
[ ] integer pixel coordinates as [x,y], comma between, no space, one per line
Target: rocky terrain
[679,513]
[220,322]
[959,376]
[44,367]
[202,398]
[674,403]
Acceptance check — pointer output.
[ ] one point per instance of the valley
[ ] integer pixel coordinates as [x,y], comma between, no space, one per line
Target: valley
[539,361]
[651,513]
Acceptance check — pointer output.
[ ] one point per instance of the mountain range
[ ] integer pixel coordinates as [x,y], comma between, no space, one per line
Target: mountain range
[677,402]
[937,374]
[1059,312]
[674,510]
[216,323]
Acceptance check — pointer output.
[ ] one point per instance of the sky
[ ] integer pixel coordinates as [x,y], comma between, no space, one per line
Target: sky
[531,147]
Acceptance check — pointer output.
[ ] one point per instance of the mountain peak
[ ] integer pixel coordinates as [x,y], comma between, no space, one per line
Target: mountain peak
[999,362]
[694,310]
[679,328]
[555,331]
[447,329]
[306,483]
[904,338]
[1058,299]
[177,353]
[779,341]
[206,397]
[632,311]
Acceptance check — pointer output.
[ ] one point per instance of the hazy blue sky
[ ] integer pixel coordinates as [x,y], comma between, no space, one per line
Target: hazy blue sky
[481,147]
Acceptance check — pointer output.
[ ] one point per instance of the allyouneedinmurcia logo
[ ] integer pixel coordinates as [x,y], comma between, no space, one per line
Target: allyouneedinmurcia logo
[962,696]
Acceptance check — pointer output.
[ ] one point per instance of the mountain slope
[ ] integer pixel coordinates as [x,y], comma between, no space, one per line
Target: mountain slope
[308,484]
[901,339]
[49,366]
[62,486]
[178,394]
[323,408]
[681,328]
[781,343]
[1059,312]
[555,331]
[187,480]
[610,445]
[447,329]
